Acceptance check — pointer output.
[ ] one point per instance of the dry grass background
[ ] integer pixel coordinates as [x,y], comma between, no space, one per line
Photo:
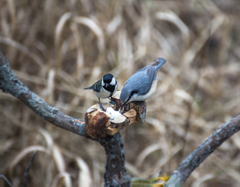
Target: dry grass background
[59,47]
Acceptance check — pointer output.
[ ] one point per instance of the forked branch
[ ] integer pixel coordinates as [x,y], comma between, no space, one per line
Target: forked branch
[115,165]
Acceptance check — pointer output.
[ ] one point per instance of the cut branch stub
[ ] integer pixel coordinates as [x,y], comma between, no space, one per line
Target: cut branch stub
[100,123]
[131,115]
[116,99]
[121,121]
[96,121]
[139,106]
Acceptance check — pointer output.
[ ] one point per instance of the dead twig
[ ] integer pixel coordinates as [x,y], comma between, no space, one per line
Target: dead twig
[28,168]
[7,181]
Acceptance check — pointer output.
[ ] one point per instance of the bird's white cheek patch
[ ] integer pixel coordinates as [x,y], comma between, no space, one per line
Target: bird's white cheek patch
[116,87]
[113,82]
[103,83]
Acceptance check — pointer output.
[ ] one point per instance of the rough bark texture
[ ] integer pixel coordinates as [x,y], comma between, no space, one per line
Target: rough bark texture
[115,167]
[195,158]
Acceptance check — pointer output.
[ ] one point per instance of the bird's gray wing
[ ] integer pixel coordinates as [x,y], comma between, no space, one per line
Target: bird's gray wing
[97,86]
[139,83]
[150,72]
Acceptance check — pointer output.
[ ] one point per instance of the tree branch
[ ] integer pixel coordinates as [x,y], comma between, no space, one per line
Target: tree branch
[115,165]
[9,83]
[194,159]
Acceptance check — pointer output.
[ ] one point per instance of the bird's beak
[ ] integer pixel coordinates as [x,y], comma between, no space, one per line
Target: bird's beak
[107,84]
[122,109]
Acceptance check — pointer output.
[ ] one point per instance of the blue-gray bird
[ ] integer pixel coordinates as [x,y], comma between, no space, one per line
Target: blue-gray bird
[104,88]
[142,84]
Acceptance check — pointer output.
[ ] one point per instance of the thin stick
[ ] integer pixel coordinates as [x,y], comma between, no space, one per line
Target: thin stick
[6,180]
[28,168]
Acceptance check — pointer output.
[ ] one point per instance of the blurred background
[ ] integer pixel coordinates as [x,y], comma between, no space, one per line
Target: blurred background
[59,47]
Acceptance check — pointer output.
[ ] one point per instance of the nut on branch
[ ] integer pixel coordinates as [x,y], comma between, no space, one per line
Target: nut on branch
[99,123]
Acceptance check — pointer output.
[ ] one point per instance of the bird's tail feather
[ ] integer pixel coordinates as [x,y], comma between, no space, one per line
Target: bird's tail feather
[88,88]
[158,63]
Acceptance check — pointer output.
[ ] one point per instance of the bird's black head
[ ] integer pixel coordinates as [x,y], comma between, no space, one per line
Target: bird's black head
[109,82]
[107,78]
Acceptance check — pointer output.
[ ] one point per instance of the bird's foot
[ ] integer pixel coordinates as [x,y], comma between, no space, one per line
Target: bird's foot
[100,104]
[121,110]
[112,102]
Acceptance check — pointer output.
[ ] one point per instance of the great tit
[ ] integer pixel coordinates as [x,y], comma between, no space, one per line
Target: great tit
[142,84]
[104,88]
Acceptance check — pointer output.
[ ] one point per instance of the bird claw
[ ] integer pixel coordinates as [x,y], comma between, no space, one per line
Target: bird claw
[101,107]
[121,110]
[100,104]
[112,102]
